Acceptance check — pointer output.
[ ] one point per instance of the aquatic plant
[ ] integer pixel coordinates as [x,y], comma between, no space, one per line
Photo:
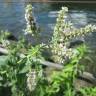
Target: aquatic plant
[64,32]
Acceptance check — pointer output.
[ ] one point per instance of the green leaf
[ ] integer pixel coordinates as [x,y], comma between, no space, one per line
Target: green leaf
[25,69]
[3,60]
[1,84]
[1,78]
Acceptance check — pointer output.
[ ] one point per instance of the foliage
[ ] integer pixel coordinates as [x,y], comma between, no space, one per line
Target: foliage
[3,37]
[61,83]
[14,67]
[22,73]
[25,77]
[88,91]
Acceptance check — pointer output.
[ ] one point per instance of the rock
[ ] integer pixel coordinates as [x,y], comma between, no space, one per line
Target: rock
[75,43]
[85,80]
[12,37]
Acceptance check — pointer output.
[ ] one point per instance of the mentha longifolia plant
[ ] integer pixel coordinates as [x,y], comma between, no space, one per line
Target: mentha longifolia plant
[64,32]
[25,77]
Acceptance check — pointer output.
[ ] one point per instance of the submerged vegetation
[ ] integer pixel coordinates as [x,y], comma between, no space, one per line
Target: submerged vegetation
[22,73]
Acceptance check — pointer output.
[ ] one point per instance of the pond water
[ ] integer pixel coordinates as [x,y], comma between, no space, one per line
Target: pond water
[12,19]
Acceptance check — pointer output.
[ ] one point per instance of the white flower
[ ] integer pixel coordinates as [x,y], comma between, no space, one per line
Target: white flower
[32,80]
[65,9]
